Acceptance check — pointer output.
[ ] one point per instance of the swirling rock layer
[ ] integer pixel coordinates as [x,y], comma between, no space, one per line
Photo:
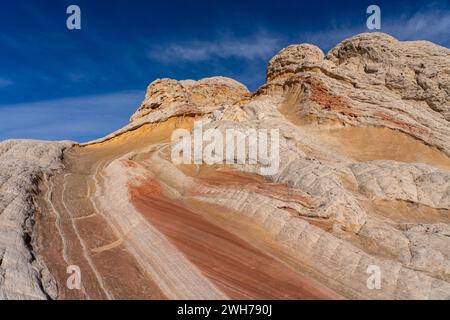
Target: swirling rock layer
[363,184]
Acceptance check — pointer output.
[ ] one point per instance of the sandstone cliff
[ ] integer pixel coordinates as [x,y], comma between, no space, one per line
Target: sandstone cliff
[363,181]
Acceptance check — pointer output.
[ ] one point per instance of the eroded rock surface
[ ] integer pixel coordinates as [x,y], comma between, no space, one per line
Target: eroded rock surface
[167,97]
[363,183]
[23,275]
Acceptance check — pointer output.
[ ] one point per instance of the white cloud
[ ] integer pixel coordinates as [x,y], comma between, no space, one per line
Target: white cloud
[80,118]
[259,46]
[427,24]
[432,25]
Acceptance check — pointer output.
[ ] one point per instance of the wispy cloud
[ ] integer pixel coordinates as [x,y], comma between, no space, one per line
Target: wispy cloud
[254,51]
[83,118]
[5,82]
[433,25]
[257,46]
[427,24]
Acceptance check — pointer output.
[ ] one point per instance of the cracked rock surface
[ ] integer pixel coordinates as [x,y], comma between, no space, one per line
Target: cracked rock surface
[23,275]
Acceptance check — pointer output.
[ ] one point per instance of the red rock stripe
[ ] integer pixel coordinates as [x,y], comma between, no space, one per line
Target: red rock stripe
[236,267]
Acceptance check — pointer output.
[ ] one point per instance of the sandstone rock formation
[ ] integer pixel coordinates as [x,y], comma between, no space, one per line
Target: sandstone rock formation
[23,275]
[363,184]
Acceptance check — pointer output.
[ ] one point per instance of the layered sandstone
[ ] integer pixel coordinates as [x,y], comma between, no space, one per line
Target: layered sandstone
[23,274]
[363,181]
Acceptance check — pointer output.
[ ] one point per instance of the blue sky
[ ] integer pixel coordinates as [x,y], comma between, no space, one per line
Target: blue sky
[80,85]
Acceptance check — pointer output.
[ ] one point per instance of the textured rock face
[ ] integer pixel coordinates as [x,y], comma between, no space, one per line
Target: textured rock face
[363,184]
[23,275]
[292,59]
[371,79]
[172,98]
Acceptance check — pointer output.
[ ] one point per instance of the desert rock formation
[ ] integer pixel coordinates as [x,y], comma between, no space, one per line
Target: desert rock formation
[23,274]
[363,182]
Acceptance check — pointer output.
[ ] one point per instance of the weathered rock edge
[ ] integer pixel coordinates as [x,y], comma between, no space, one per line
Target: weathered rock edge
[23,164]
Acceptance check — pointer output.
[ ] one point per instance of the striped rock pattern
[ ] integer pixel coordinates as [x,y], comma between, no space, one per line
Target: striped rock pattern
[359,207]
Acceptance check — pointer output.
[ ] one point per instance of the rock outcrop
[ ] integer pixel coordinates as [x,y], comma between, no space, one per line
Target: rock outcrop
[167,98]
[371,79]
[23,275]
[359,206]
